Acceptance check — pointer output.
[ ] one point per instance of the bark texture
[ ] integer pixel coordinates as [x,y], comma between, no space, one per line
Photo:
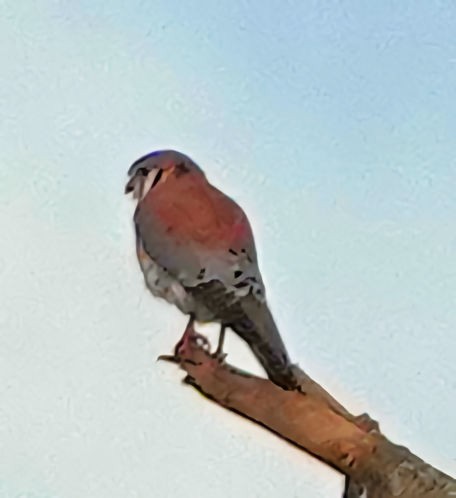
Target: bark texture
[314,421]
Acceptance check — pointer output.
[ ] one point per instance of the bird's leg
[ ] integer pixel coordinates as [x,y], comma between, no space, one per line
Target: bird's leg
[187,332]
[191,335]
[219,354]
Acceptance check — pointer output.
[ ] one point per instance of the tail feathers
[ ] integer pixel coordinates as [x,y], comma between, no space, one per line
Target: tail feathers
[254,323]
[256,326]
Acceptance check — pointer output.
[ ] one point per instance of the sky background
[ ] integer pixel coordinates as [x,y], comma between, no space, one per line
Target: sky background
[332,123]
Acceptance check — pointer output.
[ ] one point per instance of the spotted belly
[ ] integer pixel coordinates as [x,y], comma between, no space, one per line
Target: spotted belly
[164,285]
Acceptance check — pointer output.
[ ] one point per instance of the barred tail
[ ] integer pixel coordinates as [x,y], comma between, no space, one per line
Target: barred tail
[256,326]
[254,323]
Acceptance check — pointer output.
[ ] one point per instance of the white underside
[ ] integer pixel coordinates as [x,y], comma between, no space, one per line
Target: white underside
[165,286]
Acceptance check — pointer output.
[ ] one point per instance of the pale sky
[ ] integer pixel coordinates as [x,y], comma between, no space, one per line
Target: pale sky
[332,123]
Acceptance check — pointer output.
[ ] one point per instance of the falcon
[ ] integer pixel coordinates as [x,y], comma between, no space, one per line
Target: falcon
[196,250]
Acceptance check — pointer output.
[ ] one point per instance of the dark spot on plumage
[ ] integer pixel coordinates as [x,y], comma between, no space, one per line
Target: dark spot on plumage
[232,251]
[157,280]
[181,169]
[201,273]
[249,259]
[237,273]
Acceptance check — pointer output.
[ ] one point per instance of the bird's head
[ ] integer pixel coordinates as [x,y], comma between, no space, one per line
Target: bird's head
[147,171]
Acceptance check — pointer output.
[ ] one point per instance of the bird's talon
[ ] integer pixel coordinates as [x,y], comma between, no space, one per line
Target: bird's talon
[201,341]
[172,358]
[219,356]
[188,379]
[193,362]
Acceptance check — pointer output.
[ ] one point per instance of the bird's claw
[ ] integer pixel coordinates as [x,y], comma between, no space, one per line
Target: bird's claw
[219,356]
[196,338]
[168,357]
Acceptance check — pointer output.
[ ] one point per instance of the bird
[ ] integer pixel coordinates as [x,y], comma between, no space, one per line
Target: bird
[196,250]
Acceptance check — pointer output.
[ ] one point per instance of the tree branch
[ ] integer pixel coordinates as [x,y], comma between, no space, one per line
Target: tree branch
[312,420]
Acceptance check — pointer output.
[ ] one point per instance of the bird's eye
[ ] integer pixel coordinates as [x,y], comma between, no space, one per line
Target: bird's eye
[142,171]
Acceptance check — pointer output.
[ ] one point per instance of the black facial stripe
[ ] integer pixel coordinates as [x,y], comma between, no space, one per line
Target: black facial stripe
[157,178]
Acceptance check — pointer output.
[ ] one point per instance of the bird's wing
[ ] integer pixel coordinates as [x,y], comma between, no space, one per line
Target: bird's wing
[199,234]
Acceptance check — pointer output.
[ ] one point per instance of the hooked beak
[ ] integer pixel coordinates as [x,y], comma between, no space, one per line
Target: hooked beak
[137,176]
[142,180]
[130,186]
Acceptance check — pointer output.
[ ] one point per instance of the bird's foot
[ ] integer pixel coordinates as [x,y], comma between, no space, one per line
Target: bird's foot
[168,357]
[191,336]
[187,341]
[201,341]
[219,355]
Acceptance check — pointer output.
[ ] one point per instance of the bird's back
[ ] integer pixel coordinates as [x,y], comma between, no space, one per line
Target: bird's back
[194,211]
